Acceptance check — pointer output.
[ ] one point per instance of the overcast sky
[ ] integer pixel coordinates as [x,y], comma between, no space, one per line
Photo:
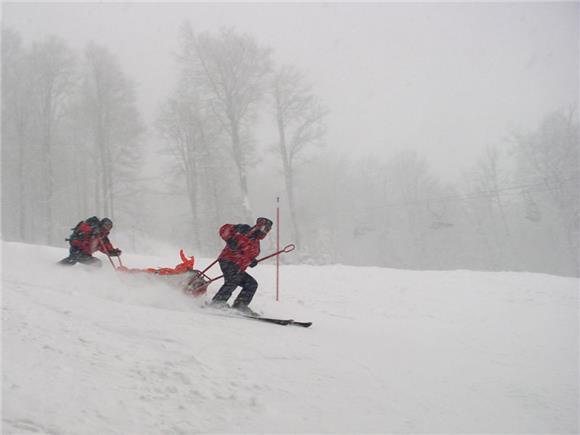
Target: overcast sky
[446,79]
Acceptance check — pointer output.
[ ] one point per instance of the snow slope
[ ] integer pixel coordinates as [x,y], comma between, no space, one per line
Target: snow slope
[96,352]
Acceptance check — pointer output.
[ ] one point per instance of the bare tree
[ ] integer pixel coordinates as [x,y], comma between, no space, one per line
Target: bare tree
[114,125]
[487,208]
[410,185]
[477,207]
[53,74]
[230,70]
[191,133]
[549,159]
[490,178]
[300,121]
[16,126]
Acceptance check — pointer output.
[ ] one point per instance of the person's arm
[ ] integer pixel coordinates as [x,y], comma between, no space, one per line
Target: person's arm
[106,247]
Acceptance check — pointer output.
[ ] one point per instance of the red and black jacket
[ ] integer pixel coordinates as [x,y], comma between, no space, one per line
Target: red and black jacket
[89,239]
[243,244]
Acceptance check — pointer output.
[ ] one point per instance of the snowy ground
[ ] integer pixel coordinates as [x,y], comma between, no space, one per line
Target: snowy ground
[93,352]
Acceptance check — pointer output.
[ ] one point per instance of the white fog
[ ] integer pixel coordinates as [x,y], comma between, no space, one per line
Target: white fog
[421,114]
[435,139]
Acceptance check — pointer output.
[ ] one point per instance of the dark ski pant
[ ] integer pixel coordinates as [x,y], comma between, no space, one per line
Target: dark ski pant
[234,277]
[76,256]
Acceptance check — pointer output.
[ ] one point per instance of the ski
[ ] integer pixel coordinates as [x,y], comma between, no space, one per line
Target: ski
[276,321]
[282,322]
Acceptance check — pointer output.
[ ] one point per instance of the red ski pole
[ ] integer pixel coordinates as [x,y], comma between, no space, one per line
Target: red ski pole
[278,248]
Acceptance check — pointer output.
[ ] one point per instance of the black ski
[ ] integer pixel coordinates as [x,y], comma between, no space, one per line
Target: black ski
[236,314]
[282,322]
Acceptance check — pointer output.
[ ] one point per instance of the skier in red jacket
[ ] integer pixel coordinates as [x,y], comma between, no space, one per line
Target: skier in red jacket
[89,236]
[242,248]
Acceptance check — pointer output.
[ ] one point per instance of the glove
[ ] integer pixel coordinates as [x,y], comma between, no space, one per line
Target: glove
[232,244]
[254,263]
[115,252]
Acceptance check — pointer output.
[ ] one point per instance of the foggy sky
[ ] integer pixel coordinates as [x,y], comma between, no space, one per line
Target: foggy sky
[445,79]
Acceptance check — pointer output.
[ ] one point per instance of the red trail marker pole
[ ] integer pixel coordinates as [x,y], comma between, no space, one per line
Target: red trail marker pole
[277,248]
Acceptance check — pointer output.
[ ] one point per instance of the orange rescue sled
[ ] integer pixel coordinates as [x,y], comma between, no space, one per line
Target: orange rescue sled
[193,282]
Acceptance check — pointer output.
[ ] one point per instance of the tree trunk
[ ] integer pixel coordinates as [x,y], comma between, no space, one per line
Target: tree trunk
[192,187]
[22,200]
[240,163]
[47,154]
[193,203]
[288,177]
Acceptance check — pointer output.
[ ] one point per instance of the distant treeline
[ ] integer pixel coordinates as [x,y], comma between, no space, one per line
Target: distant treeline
[74,144]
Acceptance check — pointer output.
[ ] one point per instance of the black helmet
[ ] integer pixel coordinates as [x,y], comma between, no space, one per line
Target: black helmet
[264,224]
[106,223]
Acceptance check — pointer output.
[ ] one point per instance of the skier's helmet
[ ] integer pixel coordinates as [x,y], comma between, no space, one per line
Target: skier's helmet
[106,223]
[264,224]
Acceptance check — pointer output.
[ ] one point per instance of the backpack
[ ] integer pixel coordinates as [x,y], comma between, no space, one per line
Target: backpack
[242,228]
[92,221]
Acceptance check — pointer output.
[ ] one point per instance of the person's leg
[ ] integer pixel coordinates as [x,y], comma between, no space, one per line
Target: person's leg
[68,261]
[249,287]
[232,278]
[72,258]
[89,260]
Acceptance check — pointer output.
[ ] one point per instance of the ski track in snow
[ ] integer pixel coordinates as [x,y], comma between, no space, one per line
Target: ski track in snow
[95,352]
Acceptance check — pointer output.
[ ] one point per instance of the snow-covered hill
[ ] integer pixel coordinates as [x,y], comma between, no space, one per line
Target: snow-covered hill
[97,352]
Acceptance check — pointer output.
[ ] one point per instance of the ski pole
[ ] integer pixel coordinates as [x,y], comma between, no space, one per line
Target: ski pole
[202,274]
[287,248]
[108,256]
[111,261]
[208,267]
